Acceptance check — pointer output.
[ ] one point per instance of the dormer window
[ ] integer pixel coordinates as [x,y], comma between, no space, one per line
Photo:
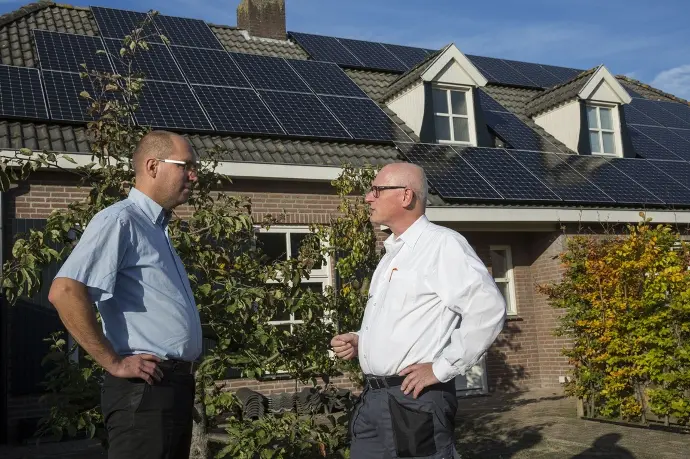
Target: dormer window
[451,115]
[602,131]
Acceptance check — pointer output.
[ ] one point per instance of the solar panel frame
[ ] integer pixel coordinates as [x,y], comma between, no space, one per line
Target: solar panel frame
[535,73]
[563,180]
[510,178]
[657,182]
[62,91]
[156,63]
[373,55]
[66,52]
[303,114]
[512,130]
[496,70]
[170,105]
[654,110]
[622,188]
[116,23]
[327,49]
[326,78]
[187,32]
[656,142]
[448,173]
[209,67]
[364,119]
[270,73]
[237,110]
[408,55]
[21,93]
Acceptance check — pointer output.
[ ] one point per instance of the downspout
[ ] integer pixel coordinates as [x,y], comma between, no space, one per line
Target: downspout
[4,336]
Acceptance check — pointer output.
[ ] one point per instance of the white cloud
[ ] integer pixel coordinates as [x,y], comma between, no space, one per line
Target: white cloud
[675,81]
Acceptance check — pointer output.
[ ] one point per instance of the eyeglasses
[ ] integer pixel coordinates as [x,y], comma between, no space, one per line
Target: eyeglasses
[188,166]
[376,190]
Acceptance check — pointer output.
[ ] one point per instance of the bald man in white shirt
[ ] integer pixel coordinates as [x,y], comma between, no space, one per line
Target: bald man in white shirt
[433,310]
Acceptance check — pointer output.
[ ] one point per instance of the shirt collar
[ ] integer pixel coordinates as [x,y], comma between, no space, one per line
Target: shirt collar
[154,211]
[411,234]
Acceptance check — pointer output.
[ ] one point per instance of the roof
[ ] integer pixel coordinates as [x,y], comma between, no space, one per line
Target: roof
[410,77]
[559,94]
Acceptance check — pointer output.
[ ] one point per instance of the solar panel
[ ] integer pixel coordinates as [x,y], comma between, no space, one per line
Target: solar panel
[622,188]
[155,63]
[535,73]
[326,78]
[633,93]
[635,116]
[655,142]
[170,105]
[512,130]
[562,73]
[67,52]
[678,170]
[363,118]
[210,67]
[237,110]
[681,111]
[654,110]
[489,103]
[327,49]
[497,71]
[409,55]
[448,173]
[682,133]
[21,94]
[373,55]
[62,92]
[303,114]
[654,180]
[113,23]
[269,73]
[187,32]
[560,178]
[507,175]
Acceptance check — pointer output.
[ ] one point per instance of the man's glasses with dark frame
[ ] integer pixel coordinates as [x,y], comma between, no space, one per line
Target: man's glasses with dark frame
[376,190]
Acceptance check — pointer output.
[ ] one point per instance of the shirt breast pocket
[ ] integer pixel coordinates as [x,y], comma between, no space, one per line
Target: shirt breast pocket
[402,288]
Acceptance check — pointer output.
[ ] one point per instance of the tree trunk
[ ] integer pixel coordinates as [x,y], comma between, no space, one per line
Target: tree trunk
[200,448]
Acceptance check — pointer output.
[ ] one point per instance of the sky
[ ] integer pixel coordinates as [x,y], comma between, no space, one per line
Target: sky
[648,40]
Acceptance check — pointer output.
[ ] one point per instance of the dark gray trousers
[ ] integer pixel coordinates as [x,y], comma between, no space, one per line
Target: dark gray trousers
[387,424]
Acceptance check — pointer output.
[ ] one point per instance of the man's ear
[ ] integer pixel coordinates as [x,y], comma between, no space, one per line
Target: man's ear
[151,167]
[408,198]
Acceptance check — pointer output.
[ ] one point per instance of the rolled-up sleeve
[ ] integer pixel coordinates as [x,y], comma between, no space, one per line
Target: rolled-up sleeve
[98,256]
[466,287]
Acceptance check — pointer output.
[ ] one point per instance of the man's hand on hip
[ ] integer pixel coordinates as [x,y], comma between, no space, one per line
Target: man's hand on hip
[138,366]
[417,377]
[345,346]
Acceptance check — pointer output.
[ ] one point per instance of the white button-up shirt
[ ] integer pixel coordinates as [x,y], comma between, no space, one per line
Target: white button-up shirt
[428,280]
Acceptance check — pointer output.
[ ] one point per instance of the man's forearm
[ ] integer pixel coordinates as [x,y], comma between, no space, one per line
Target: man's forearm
[76,312]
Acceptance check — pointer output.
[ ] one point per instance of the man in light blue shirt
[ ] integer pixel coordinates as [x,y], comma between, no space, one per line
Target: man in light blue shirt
[151,333]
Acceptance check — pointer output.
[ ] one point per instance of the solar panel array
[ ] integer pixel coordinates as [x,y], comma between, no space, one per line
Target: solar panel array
[21,95]
[517,73]
[495,174]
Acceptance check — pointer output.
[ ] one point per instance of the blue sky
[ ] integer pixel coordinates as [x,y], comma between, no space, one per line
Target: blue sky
[645,39]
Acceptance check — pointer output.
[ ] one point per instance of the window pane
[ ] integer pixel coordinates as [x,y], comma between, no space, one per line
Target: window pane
[440,101]
[461,129]
[458,102]
[281,314]
[504,287]
[609,144]
[606,118]
[296,242]
[442,127]
[594,141]
[592,117]
[499,263]
[273,245]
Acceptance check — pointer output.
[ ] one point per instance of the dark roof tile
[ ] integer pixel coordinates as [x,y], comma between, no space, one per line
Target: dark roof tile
[375,84]
[559,94]
[412,76]
[239,41]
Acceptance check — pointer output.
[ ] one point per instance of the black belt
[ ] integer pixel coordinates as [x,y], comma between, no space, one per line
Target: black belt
[178,366]
[381,382]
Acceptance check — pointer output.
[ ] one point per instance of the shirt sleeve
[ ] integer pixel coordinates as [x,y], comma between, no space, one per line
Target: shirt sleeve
[465,286]
[98,256]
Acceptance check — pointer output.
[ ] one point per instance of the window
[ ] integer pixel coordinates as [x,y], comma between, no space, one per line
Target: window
[502,269]
[602,134]
[451,115]
[283,243]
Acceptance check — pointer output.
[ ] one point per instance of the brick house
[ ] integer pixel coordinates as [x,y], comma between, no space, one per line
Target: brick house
[518,156]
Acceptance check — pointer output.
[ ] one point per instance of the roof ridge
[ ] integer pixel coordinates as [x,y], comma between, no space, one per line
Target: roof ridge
[532,106]
[653,89]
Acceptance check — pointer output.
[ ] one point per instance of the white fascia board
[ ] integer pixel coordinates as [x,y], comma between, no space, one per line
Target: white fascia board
[242,170]
[453,53]
[603,75]
[543,215]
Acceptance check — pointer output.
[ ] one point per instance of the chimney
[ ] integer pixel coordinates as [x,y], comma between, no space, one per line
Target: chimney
[262,18]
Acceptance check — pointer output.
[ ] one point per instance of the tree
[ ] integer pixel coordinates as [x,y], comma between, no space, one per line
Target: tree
[237,290]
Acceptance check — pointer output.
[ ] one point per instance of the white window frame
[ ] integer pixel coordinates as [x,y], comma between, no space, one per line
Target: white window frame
[615,121]
[511,306]
[469,101]
[322,275]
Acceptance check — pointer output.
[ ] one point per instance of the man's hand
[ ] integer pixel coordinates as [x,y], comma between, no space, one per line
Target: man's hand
[345,346]
[137,366]
[417,377]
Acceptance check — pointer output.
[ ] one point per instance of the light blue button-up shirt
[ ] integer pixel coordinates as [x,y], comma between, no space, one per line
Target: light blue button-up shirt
[137,280]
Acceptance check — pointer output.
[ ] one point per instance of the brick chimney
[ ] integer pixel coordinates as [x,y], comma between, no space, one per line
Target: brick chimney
[262,18]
